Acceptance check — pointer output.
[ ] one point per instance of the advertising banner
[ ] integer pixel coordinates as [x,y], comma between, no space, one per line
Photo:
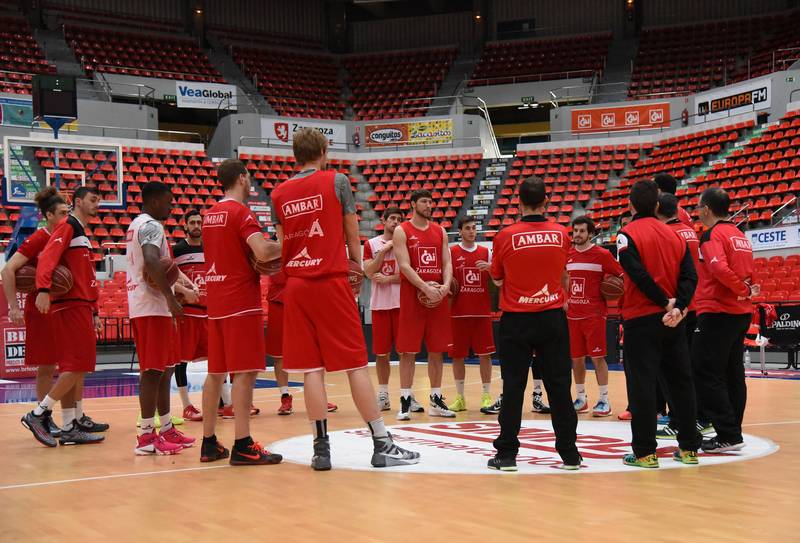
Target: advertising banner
[199,95]
[283,130]
[429,132]
[627,117]
[785,237]
[732,100]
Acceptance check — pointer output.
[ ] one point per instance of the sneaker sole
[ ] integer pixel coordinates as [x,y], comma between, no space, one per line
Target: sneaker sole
[566,467]
[443,415]
[404,416]
[393,462]
[599,414]
[333,409]
[68,442]
[489,412]
[634,465]
[732,448]
[144,452]
[285,412]
[457,410]
[514,468]
[38,438]
[684,462]
[255,463]
[210,459]
[582,411]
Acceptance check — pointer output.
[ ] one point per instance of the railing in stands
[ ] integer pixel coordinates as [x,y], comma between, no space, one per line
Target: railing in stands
[784,213]
[138,133]
[255,141]
[529,78]
[745,216]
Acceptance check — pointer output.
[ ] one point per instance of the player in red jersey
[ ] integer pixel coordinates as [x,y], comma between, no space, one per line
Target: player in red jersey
[316,219]
[231,233]
[667,184]
[274,339]
[423,255]
[193,326]
[587,264]
[471,312]
[74,323]
[40,350]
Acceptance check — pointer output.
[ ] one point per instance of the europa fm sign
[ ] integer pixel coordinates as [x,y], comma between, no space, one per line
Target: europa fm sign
[628,117]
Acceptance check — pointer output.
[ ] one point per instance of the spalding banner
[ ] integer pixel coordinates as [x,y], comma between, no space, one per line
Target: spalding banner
[628,117]
[205,95]
[431,132]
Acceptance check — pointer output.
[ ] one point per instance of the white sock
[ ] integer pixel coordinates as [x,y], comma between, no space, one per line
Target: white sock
[537,386]
[580,389]
[78,409]
[67,417]
[486,387]
[436,392]
[184,393]
[460,386]
[284,390]
[226,393]
[166,421]
[405,392]
[603,392]
[45,405]
[148,425]
[378,428]
[383,389]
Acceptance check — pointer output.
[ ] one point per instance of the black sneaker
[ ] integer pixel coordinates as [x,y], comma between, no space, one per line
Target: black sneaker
[667,432]
[493,409]
[213,451]
[321,461]
[416,407]
[405,409]
[76,436]
[39,427]
[55,431]
[538,405]
[573,465]
[715,446]
[86,424]
[502,464]
[253,455]
[386,454]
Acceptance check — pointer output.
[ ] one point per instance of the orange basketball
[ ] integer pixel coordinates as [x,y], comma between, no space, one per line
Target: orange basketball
[424,300]
[61,282]
[170,270]
[26,279]
[612,287]
[355,275]
[270,267]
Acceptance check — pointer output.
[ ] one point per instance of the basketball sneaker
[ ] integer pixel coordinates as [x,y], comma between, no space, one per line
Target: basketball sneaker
[493,409]
[39,427]
[650,461]
[254,411]
[538,405]
[53,428]
[226,412]
[666,432]
[486,401]
[173,435]
[86,424]
[405,409]
[685,457]
[152,443]
[625,415]
[286,405]
[601,409]
[253,455]
[191,413]
[581,406]
[332,407]
[570,467]
[416,407]
[715,446]
[502,464]
[386,454]
[383,401]
[211,452]
[460,404]
[705,428]
[76,436]
[321,461]
[438,408]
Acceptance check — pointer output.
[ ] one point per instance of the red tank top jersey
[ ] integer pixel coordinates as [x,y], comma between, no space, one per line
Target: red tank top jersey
[191,261]
[586,270]
[530,258]
[472,299]
[277,283]
[688,234]
[725,271]
[30,249]
[424,251]
[70,246]
[310,214]
[661,251]
[233,288]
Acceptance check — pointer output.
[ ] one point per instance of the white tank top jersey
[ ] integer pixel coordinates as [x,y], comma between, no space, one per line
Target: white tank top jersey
[384,297]
[143,300]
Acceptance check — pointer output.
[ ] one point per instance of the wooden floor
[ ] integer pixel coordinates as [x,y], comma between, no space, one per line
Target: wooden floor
[105,493]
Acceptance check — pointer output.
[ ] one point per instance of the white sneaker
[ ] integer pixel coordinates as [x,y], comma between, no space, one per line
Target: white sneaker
[405,409]
[383,401]
[416,407]
[438,408]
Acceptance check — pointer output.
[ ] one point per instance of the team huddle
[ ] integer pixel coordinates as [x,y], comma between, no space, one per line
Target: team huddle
[201,300]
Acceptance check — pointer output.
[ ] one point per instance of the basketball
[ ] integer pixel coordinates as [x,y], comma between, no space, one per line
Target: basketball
[424,300]
[61,282]
[454,287]
[26,279]
[170,269]
[611,287]
[355,276]
[269,267]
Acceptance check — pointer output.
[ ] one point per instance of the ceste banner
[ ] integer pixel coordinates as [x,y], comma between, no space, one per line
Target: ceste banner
[627,117]
[411,133]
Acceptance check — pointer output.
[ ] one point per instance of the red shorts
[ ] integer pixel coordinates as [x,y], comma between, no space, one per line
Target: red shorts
[74,334]
[385,325]
[322,328]
[193,333]
[157,342]
[472,332]
[418,323]
[40,347]
[275,330]
[587,337]
[236,344]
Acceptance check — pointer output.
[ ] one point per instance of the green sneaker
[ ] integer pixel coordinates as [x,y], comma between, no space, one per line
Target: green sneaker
[650,461]
[459,404]
[685,457]
[486,401]
[176,421]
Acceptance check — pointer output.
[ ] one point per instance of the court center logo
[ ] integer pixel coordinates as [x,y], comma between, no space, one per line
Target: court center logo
[465,446]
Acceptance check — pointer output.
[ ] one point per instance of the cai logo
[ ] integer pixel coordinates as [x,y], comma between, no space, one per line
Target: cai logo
[282,131]
[388,267]
[631,118]
[427,257]
[608,119]
[656,116]
[584,121]
[577,287]
[472,277]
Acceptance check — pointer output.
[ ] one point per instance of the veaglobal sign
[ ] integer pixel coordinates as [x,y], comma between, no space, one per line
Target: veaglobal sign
[205,95]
